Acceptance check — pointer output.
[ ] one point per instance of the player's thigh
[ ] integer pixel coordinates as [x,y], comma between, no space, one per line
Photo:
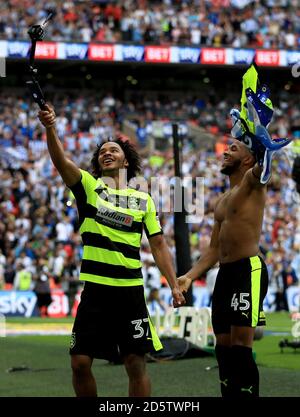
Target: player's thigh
[220,306]
[95,326]
[242,335]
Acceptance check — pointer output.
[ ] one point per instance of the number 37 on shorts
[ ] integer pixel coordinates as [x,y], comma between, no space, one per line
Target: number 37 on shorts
[141,327]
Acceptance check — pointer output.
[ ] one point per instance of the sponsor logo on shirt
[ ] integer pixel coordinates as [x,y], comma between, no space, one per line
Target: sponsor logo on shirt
[113,218]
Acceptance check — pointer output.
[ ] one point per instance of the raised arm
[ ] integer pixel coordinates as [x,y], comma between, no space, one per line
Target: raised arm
[69,172]
[207,260]
[251,179]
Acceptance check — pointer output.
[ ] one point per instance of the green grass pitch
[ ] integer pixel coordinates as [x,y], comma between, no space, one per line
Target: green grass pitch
[49,373]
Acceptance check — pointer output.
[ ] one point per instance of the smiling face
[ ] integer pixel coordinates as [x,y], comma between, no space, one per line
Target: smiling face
[111,158]
[236,155]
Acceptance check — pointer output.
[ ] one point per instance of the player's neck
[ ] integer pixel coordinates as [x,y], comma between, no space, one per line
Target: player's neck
[118,179]
[121,183]
[236,178]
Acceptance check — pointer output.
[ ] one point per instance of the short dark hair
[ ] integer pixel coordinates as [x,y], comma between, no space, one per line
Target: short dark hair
[133,158]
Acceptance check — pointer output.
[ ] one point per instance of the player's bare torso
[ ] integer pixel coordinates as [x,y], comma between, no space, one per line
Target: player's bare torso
[239,213]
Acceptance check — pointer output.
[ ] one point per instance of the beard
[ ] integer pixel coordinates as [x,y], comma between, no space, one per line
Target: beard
[230,169]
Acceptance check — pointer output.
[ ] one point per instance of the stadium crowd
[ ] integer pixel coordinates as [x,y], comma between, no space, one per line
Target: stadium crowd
[39,237]
[236,23]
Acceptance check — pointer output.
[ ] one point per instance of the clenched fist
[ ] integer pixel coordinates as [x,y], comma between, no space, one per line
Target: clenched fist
[47,117]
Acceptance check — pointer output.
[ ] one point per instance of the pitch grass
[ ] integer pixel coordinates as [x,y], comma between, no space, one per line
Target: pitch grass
[49,373]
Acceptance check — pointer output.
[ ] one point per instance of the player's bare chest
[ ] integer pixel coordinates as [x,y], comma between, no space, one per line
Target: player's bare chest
[227,205]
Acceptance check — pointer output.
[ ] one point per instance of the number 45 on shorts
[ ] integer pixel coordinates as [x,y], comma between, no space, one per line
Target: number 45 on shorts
[240,302]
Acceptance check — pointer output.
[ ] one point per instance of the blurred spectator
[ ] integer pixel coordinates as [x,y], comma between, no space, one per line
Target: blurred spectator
[23,279]
[70,284]
[237,23]
[282,283]
[64,230]
[2,269]
[9,272]
[42,289]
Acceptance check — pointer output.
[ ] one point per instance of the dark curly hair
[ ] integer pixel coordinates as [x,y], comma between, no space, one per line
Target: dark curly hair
[131,154]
